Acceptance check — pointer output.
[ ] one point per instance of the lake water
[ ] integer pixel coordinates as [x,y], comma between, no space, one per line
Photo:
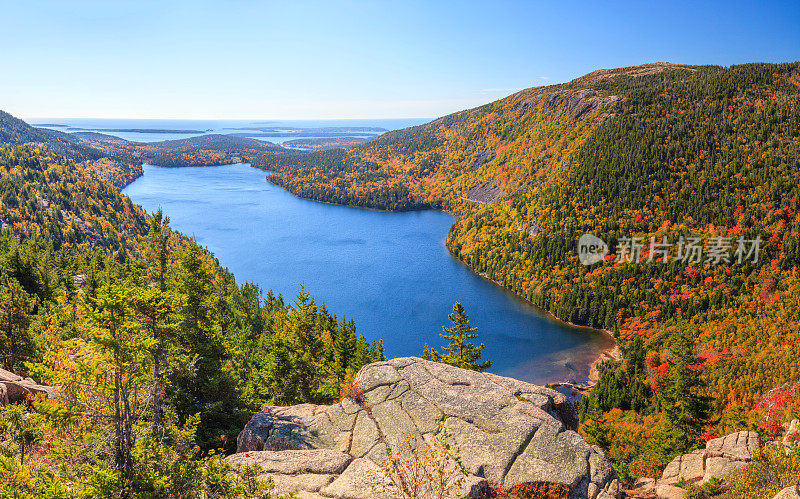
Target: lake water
[390,272]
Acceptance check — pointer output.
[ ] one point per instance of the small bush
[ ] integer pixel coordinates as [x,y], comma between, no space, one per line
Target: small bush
[352,390]
[421,471]
[711,488]
[539,490]
[770,429]
[527,490]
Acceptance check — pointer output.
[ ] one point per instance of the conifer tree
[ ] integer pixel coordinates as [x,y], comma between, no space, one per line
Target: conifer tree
[124,347]
[204,387]
[16,344]
[307,343]
[344,348]
[156,306]
[682,398]
[459,352]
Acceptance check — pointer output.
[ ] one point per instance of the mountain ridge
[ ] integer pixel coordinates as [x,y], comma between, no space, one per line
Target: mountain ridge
[655,151]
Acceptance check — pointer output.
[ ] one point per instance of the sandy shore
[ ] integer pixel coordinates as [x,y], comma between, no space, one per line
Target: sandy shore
[612,353]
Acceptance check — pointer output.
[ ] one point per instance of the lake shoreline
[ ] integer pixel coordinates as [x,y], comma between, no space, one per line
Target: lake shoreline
[609,353]
[587,370]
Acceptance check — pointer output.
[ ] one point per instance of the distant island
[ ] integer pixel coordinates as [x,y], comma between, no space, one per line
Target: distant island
[135,130]
[322,143]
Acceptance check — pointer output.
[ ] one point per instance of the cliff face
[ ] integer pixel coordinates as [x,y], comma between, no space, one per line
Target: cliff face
[506,432]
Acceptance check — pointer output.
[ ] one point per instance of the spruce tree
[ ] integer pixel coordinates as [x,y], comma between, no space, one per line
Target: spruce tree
[345,348]
[683,398]
[156,307]
[459,352]
[307,344]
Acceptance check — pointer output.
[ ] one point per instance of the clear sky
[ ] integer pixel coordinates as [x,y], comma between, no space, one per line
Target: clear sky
[242,59]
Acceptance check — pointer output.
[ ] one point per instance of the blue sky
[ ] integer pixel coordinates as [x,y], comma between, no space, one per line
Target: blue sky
[242,59]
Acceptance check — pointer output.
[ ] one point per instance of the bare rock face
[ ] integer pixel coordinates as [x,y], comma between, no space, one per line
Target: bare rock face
[578,104]
[721,458]
[15,389]
[792,492]
[486,193]
[507,432]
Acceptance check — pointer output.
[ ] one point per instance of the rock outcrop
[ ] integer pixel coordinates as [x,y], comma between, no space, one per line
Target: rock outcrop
[792,492]
[508,432]
[15,389]
[578,104]
[721,458]
[486,193]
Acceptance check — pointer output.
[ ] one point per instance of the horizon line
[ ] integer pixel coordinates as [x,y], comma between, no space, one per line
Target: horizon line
[27,118]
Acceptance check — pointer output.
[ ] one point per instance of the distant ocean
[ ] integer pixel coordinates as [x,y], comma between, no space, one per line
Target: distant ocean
[276,131]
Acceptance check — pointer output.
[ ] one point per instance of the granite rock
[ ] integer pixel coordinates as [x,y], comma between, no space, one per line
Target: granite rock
[508,432]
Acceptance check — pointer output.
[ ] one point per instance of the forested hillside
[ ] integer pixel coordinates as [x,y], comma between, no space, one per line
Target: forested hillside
[655,151]
[158,355]
[699,163]
[115,166]
[119,161]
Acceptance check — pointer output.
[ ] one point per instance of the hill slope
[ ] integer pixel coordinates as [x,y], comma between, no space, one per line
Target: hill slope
[112,165]
[658,150]
[120,161]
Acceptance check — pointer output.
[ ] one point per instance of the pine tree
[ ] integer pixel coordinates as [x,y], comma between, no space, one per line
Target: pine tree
[156,306]
[204,386]
[459,352]
[308,345]
[16,344]
[345,348]
[683,400]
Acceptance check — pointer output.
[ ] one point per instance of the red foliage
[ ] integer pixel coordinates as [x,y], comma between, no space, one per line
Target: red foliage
[770,430]
[539,490]
[527,490]
[653,359]
[352,390]
[659,374]
[776,400]
[707,435]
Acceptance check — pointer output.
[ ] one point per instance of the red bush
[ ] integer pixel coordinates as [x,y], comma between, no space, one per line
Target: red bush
[770,429]
[539,490]
[351,390]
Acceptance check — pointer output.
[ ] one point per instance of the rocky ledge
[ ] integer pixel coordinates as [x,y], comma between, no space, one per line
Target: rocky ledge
[507,432]
[722,458]
[15,389]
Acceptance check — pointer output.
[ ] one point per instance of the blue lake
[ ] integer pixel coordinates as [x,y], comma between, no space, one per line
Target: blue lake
[390,272]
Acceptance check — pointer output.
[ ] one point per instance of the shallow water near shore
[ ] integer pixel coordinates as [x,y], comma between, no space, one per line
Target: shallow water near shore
[390,272]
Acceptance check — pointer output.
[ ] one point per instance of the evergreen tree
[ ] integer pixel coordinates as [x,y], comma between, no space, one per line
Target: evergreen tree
[459,352]
[156,306]
[16,344]
[124,347]
[280,374]
[204,387]
[307,344]
[344,349]
[683,397]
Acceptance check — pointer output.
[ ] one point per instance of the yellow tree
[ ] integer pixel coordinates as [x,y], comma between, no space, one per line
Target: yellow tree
[122,377]
[104,378]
